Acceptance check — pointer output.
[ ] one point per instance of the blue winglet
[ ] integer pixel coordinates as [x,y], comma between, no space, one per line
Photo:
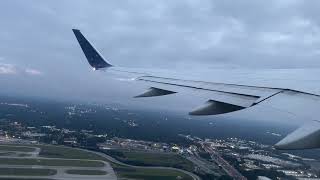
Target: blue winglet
[93,56]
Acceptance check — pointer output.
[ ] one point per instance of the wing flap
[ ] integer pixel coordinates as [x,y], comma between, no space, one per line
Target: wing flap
[302,105]
[223,87]
[230,98]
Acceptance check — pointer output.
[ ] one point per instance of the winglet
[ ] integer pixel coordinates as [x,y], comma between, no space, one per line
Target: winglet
[93,56]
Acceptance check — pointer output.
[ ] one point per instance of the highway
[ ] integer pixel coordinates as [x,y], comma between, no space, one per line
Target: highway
[230,170]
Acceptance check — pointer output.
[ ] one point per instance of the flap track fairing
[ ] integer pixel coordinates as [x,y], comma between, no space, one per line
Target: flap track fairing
[155,92]
[215,107]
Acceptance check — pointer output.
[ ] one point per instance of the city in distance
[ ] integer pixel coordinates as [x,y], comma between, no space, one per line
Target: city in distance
[128,138]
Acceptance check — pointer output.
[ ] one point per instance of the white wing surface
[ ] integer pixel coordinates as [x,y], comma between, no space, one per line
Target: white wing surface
[227,98]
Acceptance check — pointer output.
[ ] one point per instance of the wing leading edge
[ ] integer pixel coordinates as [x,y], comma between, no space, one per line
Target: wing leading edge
[226,98]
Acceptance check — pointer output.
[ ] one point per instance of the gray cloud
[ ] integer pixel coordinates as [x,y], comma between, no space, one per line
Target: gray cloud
[12,69]
[7,69]
[174,35]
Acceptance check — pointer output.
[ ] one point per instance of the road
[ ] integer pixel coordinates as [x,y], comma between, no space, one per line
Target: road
[230,170]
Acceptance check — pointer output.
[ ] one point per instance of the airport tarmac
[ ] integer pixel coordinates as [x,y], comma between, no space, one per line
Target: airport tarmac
[61,170]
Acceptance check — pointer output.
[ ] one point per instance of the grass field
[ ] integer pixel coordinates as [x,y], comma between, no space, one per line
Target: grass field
[50,151]
[51,162]
[65,152]
[122,171]
[16,148]
[86,172]
[27,172]
[153,159]
[7,153]
[14,154]
[23,155]
[151,174]
[24,179]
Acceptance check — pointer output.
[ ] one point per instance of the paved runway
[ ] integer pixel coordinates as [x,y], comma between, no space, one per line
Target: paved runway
[61,170]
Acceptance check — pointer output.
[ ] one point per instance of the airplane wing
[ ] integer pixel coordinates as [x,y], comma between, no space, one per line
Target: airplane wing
[227,98]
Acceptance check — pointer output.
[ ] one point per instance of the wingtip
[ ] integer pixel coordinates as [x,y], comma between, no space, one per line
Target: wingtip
[95,59]
[75,30]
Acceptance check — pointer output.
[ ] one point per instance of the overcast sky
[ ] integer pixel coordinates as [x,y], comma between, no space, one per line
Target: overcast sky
[40,56]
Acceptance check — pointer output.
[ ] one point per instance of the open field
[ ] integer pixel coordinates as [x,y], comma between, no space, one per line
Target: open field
[27,172]
[152,159]
[86,172]
[23,155]
[66,152]
[151,174]
[16,154]
[122,171]
[50,162]
[16,148]
[7,153]
[24,179]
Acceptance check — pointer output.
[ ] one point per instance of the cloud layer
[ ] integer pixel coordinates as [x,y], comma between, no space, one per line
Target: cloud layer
[11,69]
[258,34]
[181,36]
[7,69]
[32,71]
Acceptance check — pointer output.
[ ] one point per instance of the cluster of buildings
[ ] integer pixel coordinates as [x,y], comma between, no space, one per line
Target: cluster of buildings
[139,145]
[76,110]
[10,131]
[247,155]
[250,155]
